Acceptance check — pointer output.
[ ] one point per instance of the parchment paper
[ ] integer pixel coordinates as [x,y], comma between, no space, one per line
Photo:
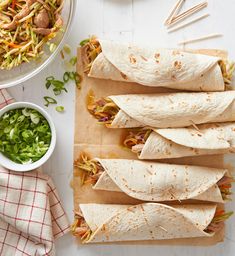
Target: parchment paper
[99,141]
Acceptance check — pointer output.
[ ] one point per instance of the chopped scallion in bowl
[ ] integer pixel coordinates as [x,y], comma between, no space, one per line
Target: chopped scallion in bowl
[27,136]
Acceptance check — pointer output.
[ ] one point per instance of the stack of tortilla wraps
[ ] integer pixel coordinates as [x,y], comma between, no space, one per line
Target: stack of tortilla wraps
[175,200]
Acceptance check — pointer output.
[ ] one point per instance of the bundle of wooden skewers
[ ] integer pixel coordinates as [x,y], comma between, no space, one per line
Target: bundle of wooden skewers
[175,17]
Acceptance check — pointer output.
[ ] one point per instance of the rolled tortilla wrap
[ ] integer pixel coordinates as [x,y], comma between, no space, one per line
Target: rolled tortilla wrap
[151,181]
[207,139]
[173,109]
[148,221]
[155,67]
[164,110]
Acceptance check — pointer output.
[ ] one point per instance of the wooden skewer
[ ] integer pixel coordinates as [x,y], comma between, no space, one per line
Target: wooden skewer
[188,13]
[188,23]
[199,39]
[174,11]
[192,9]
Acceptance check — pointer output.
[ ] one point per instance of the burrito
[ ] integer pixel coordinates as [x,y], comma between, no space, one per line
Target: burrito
[163,110]
[205,139]
[95,223]
[171,68]
[157,182]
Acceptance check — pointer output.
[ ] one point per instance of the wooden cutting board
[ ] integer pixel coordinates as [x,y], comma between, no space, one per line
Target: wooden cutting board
[98,141]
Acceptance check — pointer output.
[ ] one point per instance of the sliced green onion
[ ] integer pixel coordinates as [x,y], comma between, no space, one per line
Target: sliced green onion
[49,100]
[66,77]
[85,41]
[34,118]
[59,109]
[48,84]
[73,61]
[25,135]
[26,112]
[52,47]
[67,49]
[50,78]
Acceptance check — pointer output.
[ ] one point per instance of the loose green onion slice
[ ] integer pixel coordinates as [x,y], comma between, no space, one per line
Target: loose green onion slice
[85,41]
[49,101]
[66,77]
[73,61]
[67,49]
[50,78]
[58,86]
[52,47]
[59,109]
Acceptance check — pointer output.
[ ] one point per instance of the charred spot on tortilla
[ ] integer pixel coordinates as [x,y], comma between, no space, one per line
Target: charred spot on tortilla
[178,64]
[124,180]
[157,57]
[141,207]
[131,209]
[103,227]
[176,52]
[124,76]
[132,59]
[173,77]
[143,58]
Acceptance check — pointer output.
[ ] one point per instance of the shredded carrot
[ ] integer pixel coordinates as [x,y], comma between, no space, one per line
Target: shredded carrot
[226,186]
[13,45]
[219,212]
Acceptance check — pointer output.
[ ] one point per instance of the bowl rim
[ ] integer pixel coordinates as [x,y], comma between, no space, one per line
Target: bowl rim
[50,58]
[9,164]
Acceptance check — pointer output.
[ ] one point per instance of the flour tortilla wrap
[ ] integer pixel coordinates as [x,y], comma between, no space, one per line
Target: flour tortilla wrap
[158,67]
[209,139]
[148,221]
[151,181]
[173,109]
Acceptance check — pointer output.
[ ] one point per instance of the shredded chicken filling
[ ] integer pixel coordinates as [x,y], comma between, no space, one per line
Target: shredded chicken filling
[91,169]
[225,185]
[227,70]
[136,139]
[104,110]
[92,49]
[218,221]
[80,228]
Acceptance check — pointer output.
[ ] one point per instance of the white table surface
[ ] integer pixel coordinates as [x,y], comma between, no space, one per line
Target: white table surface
[125,20]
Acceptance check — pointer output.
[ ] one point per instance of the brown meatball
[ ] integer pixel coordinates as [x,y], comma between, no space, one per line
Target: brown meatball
[41,20]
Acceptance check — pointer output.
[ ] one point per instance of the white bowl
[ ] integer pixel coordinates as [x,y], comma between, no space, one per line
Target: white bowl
[25,71]
[9,164]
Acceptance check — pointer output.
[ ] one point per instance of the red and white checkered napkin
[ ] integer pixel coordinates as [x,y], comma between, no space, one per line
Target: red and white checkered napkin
[5,98]
[31,215]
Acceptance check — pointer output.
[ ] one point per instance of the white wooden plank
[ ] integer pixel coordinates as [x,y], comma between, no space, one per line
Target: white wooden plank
[89,19]
[17,92]
[118,20]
